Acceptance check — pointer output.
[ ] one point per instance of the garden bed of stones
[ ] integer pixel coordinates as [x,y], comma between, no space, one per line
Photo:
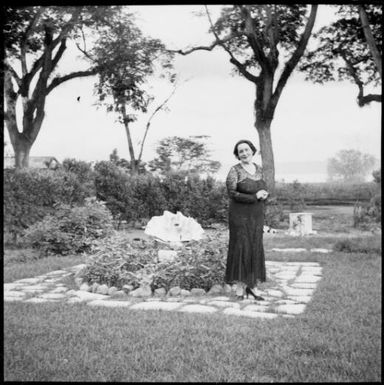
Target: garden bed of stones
[293,285]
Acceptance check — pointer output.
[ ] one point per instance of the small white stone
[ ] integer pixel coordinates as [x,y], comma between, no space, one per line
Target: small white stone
[197,309]
[156,306]
[304,285]
[319,250]
[293,291]
[220,298]
[197,291]
[174,291]
[215,289]
[102,289]
[301,298]
[84,295]
[224,304]
[255,308]
[252,314]
[291,308]
[185,293]
[109,303]
[160,292]
[52,296]
[142,291]
[85,287]
[112,290]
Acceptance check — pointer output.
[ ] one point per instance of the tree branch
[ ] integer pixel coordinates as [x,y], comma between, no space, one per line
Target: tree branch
[292,62]
[241,67]
[58,80]
[370,39]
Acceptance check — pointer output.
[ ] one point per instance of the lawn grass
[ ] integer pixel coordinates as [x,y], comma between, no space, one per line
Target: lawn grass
[19,264]
[337,338]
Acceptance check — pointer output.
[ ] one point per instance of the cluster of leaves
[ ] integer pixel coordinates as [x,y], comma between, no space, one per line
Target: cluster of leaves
[70,230]
[117,262]
[30,194]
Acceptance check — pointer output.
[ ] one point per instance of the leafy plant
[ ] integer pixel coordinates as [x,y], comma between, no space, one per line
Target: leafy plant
[70,229]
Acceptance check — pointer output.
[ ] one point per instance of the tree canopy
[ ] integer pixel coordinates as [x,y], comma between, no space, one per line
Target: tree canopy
[350,166]
[189,155]
[343,52]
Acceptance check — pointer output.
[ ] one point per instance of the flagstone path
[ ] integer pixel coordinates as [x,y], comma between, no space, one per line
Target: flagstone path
[294,285]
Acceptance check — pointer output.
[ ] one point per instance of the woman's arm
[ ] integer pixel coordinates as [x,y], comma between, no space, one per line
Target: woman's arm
[231,183]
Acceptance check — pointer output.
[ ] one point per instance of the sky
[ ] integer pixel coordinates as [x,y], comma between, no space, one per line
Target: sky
[312,122]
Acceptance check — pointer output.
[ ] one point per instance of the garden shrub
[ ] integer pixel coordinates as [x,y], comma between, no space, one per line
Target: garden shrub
[113,187]
[83,171]
[70,229]
[359,245]
[273,213]
[30,194]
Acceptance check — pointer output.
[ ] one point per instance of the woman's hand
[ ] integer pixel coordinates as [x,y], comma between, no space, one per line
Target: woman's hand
[262,194]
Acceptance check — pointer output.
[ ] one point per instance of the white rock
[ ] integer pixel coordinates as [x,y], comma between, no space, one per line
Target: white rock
[142,291]
[156,305]
[224,304]
[319,250]
[160,292]
[198,309]
[85,287]
[174,227]
[291,308]
[185,293]
[215,289]
[197,291]
[252,314]
[109,303]
[102,289]
[86,296]
[112,290]
[174,291]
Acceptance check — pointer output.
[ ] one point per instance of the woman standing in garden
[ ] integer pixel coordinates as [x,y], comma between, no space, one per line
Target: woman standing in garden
[247,192]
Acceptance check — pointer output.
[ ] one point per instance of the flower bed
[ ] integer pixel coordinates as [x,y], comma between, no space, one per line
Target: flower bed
[118,262]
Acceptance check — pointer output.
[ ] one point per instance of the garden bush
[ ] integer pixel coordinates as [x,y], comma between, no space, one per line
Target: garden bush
[70,229]
[83,171]
[30,194]
[117,262]
[359,245]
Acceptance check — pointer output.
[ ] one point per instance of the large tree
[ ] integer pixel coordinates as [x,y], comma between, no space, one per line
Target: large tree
[350,166]
[189,155]
[349,49]
[35,39]
[127,60]
[265,44]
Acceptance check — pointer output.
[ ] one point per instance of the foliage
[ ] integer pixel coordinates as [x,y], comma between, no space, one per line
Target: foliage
[342,51]
[358,245]
[116,262]
[70,229]
[273,213]
[31,194]
[126,59]
[36,38]
[83,171]
[350,166]
[377,176]
[177,154]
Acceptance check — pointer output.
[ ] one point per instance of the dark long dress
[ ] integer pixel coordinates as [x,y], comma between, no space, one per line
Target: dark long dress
[245,260]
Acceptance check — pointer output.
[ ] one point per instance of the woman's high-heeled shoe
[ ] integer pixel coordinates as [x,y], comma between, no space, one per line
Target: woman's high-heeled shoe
[257,297]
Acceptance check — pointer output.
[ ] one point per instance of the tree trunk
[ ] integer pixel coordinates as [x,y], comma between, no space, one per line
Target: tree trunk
[134,166]
[264,130]
[22,150]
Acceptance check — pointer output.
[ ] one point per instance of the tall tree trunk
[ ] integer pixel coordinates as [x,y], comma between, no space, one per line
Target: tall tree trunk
[134,166]
[263,128]
[22,150]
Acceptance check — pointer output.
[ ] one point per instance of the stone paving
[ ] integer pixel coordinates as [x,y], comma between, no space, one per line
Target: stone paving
[294,285]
